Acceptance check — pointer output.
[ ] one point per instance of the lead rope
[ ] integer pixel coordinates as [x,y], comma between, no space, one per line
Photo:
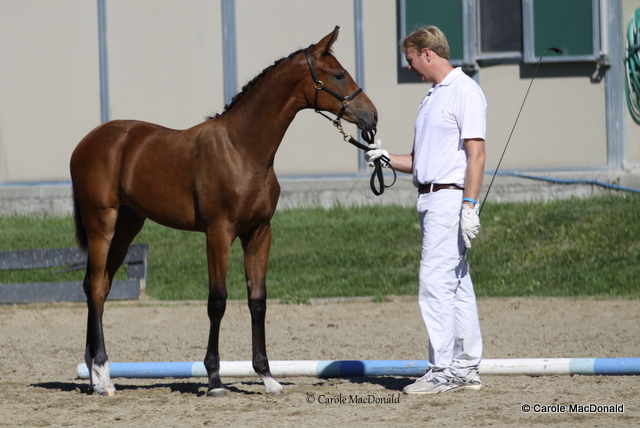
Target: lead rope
[377,174]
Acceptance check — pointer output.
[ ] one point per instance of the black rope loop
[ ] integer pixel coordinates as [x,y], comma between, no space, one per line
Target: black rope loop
[377,175]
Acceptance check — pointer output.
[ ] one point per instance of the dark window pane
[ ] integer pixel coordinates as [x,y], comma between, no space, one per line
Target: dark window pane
[500,26]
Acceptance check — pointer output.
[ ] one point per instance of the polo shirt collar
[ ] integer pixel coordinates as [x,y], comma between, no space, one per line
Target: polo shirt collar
[449,78]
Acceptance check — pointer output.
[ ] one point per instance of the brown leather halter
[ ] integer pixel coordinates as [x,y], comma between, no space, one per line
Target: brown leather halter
[319,86]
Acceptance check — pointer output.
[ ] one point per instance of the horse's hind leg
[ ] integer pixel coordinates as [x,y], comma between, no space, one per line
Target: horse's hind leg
[109,235]
[100,227]
[256,254]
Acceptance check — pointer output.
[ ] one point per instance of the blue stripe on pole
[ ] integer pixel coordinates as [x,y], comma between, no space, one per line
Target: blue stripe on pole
[152,370]
[616,366]
[605,366]
[351,368]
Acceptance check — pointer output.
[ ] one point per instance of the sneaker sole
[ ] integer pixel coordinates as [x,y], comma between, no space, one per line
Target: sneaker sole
[418,392]
[471,387]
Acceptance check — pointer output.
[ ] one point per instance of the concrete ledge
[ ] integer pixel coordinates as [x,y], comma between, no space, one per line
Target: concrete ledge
[547,186]
[55,199]
[348,191]
[36,199]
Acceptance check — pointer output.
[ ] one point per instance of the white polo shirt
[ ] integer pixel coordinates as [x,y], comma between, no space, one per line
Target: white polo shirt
[452,111]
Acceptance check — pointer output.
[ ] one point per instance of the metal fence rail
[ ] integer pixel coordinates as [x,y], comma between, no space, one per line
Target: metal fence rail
[68,291]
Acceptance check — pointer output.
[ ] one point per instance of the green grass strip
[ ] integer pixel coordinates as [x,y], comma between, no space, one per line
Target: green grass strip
[576,247]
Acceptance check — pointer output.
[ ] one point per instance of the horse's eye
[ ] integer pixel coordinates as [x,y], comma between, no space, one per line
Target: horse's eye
[340,76]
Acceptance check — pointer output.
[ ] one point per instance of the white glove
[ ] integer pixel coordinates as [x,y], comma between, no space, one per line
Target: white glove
[375,152]
[469,224]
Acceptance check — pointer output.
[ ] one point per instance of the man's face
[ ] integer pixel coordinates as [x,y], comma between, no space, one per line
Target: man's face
[418,62]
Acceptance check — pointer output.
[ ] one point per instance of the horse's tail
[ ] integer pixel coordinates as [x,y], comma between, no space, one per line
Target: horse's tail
[81,232]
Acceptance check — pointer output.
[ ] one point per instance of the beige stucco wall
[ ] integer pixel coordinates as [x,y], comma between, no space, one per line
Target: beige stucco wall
[49,94]
[562,124]
[165,60]
[165,66]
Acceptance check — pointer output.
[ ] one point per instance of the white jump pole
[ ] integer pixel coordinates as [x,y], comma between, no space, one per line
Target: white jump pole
[353,368]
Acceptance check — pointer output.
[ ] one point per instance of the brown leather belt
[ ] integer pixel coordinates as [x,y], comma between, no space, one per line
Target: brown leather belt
[434,187]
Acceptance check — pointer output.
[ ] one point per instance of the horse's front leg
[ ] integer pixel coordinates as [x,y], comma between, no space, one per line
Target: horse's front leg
[217,258]
[256,255]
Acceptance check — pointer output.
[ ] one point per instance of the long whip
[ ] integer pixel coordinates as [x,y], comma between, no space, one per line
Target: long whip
[551,49]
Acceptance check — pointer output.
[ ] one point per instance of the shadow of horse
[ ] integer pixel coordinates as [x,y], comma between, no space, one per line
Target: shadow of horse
[198,389]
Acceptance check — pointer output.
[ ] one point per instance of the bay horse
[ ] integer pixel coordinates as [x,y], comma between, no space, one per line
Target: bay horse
[216,177]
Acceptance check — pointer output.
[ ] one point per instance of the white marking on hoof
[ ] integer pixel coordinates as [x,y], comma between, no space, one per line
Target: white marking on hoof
[271,385]
[217,392]
[101,381]
[111,392]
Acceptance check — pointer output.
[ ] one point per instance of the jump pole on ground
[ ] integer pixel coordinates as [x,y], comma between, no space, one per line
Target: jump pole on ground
[356,368]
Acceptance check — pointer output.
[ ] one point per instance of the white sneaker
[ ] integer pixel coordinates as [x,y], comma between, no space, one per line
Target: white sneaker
[431,383]
[470,381]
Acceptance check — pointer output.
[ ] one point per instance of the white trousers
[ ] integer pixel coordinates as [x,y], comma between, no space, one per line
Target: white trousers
[446,297]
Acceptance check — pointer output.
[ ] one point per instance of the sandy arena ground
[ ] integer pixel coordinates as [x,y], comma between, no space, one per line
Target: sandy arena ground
[41,345]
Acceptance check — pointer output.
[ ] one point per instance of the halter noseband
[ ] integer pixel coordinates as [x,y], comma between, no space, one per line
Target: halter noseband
[319,86]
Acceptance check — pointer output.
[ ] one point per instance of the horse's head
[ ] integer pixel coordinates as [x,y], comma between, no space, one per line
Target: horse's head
[333,89]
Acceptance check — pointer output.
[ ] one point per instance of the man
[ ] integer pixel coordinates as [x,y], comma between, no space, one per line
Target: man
[447,163]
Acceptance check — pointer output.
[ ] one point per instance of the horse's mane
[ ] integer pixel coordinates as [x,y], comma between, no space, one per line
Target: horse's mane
[251,84]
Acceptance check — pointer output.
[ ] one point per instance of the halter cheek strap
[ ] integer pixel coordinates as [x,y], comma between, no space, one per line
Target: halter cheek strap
[319,86]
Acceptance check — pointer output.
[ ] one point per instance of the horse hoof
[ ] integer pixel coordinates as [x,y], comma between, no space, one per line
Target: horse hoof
[275,391]
[217,392]
[106,392]
[272,386]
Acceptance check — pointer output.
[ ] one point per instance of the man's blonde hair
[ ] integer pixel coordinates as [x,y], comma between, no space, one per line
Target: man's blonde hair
[427,37]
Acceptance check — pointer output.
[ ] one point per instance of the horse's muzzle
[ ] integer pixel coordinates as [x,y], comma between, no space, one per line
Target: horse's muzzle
[368,122]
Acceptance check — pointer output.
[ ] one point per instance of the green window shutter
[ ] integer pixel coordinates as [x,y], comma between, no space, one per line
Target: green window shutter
[444,14]
[570,25]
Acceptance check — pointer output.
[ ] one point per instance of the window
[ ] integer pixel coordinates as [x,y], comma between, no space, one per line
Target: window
[508,30]
[570,25]
[500,29]
[446,15]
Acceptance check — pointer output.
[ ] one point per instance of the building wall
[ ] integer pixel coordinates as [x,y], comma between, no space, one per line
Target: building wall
[165,66]
[562,124]
[165,60]
[49,94]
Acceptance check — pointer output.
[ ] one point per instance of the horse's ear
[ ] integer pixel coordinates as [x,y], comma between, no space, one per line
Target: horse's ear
[324,46]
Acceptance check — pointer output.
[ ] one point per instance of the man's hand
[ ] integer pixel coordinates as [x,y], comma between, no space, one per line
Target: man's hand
[375,152]
[469,224]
